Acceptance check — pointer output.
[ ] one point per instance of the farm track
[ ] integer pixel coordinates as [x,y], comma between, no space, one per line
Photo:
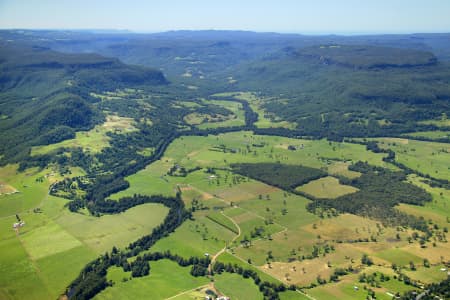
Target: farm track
[213,259]
[185,292]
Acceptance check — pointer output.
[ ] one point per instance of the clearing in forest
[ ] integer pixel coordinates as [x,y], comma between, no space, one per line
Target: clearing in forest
[326,187]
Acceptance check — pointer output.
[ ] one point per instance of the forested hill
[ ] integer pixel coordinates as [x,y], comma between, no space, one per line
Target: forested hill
[368,57]
[45,95]
[352,90]
[82,69]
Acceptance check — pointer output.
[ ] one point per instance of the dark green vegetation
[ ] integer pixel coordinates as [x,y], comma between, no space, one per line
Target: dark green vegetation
[338,94]
[286,177]
[332,87]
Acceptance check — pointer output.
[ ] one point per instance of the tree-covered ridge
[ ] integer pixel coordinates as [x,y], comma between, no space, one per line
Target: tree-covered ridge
[45,95]
[329,99]
[367,57]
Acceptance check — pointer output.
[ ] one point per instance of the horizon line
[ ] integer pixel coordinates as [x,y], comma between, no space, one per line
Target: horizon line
[306,32]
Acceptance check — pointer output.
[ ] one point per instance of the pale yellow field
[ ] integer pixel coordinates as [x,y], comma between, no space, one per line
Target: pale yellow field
[326,187]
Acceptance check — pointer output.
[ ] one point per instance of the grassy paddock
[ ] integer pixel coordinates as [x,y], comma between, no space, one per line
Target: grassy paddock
[166,279]
[327,187]
[427,157]
[236,287]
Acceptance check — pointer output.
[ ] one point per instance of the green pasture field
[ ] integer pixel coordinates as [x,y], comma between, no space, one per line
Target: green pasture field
[248,221]
[399,256]
[292,295]
[438,210]
[195,151]
[223,220]
[64,236]
[438,134]
[281,246]
[196,238]
[326,187]
[427,157]
[30,192]
[236,287]
[93,140]
[427,275]
[31,261]
[227,257]
[286,209]
[442,122]
[18,276]
[42,237]
[149,181]
[166,279]
[101,234]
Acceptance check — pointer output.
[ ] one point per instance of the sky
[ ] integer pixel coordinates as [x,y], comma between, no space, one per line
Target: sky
[295,16]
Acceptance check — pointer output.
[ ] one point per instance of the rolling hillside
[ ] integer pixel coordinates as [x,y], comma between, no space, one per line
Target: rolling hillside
[44,95]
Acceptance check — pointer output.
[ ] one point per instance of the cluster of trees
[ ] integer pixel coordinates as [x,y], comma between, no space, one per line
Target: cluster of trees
[432,291]
[250,116]
[380,190]
[139,267]
[286,177]
[180,171]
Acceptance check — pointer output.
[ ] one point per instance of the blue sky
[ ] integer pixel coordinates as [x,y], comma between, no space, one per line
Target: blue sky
[300,16]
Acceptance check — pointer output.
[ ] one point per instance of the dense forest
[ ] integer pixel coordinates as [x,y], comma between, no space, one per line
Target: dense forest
[286,177]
